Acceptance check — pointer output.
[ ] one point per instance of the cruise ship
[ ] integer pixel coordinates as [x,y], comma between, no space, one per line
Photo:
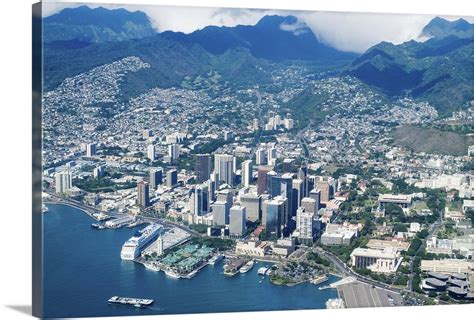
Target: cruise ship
[134,246]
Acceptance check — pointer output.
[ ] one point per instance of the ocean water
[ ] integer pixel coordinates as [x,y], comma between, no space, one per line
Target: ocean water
[83,269]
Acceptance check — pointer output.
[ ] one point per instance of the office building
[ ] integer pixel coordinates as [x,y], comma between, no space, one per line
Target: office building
[262,178]
[384,261]
[237,226]
[247,172]
[260,156]
[63,181]
[325,191]
[252,204]
[220,213]
[173,151]
[98,172]
[273,215]
[224,167]
[287,165]
[316,195]
[156,178]
[309,205]
[143,196]
[172,178]
[228,135]
[298,192]
[199,200]
[151,152]
[203,167]
[271,156]
[90,149]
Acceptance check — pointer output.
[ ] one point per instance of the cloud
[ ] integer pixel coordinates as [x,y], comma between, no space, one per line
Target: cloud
[354,32]
[297,28]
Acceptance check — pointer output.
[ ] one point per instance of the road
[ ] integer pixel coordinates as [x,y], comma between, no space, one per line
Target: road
[433,230]
[346,271]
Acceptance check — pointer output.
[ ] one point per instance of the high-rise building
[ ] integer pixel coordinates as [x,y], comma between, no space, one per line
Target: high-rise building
[271,156]
[316,195]
[151,152]
[143,194]
[224,165]
[90,149]
[199,200]
[289,123]
[237,226]
[255,124]
[287,165]
[305,224]
[247,172]
[159,247]
[147,134]
[172,178]
[324,188]
[298,189]
[156,178]
[173,151]
[98,172]
[282,186]
[203,167]
[260,156]
[228,135]
[252,204]
[273,214]
[220,213]
[303,175]
[310,205]
[262,178]
[63,181]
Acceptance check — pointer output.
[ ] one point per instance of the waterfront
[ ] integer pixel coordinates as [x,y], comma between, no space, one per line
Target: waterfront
[83,269]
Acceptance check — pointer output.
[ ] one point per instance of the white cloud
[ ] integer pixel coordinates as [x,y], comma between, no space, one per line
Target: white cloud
[345,31]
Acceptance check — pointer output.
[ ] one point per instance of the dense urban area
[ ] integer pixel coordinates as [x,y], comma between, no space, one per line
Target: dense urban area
[310,175]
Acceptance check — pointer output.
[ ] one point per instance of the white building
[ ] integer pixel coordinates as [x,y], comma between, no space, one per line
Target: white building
[305,224]
[151,152]
[63,181]
[247,172]
[377,260]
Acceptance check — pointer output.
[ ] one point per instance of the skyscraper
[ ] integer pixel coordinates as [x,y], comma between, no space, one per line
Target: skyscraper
[203,167]
[310,205]
[173,151]
[272,215]
[159,247]
[156,178]
[90,149]
[305,225]
[316,195]
[143,194]
[63,181]
[220,213]
[198,201]
[237,226]
[151,152]
[324,188]
[271,156]
[224,165]
[171,178]
[262,178]
[260,155]
[247,172]
[252,204]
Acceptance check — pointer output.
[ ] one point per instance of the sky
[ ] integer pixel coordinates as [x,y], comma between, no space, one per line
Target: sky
[354,32]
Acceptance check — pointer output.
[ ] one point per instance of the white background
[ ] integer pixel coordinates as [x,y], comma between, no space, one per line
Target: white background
[15,146]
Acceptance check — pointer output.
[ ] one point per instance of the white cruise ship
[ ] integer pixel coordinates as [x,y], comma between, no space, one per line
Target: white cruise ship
[134,246]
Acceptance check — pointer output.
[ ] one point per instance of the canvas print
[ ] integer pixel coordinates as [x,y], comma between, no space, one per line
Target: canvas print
[198,160]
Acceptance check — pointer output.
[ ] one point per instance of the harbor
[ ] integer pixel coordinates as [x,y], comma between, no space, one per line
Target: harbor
[91,252]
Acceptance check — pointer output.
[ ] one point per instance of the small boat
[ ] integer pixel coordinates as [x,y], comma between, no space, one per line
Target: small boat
[172,274]
[263,270]
[216,259]
[246,268]
[152,266]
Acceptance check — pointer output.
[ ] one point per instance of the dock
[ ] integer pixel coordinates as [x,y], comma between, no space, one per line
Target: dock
[136,302]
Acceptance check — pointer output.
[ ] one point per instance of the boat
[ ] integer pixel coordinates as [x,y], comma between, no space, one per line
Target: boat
[44,209]
[172,274]
[263,270]
[246,268]
[216,259]
[133,246]
[135,302]
[319,279]
[152,266]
